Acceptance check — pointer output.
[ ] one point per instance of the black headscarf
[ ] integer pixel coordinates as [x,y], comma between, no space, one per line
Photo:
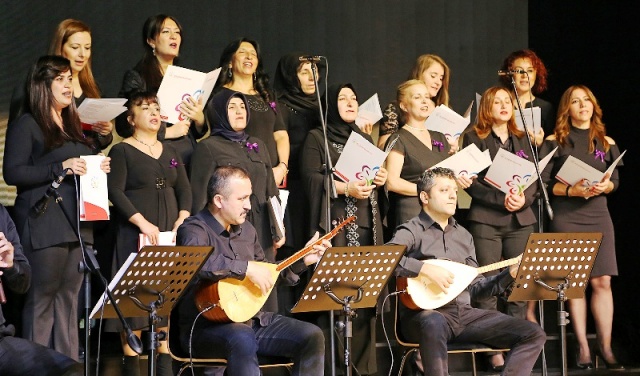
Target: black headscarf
[338,130]
[218,111]
[288,87]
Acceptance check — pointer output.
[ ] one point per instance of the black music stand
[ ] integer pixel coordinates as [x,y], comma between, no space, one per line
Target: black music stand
[347,278]
[149,284]
[556,266]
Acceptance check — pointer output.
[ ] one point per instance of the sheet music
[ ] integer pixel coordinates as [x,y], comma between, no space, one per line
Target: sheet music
[180,83]
[574,170]
[93,110]
[94,196]
[512,174]
[467,162]
[360,160]
[164,238]
[113,283]
[369,112]
[537,119]
[448,122]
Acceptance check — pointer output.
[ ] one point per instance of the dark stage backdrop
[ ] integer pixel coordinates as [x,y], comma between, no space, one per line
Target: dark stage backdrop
[371,43]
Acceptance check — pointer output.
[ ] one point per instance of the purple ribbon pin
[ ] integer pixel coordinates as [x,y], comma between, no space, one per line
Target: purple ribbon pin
[438,144]
[252,146]
[521,154]
[273,106]
[173,163]
[599,154]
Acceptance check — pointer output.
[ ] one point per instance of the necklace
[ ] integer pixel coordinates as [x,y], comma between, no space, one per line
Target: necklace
[147,145]
[416,128]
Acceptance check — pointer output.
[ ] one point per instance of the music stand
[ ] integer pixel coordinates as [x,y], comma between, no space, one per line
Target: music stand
[149,284]
[556,266]
[343,272]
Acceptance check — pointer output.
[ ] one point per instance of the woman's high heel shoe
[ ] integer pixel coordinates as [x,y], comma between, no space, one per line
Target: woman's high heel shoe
[615,366]
[588,365]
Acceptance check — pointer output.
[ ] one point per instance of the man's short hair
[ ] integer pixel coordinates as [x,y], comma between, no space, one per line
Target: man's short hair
[219,182]
[428,179]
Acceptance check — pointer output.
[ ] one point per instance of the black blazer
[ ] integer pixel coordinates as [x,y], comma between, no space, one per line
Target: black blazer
[487,205]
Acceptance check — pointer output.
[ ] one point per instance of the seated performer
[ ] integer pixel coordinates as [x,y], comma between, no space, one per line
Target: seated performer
[19,356]
[435,234]
[222,224]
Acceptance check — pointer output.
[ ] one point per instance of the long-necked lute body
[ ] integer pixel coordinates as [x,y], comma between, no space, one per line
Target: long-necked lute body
[422,293]
[238,300]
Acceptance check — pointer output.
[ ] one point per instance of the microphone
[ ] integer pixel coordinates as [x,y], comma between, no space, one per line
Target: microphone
[310,58]
[510,72]
[41,206]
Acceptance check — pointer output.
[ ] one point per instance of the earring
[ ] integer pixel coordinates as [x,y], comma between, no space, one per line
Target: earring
[229,73]
[153,49]
[254,76]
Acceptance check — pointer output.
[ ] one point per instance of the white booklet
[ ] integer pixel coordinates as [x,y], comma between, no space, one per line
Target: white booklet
[448,122]
[112,284]
[94,195]
[467,162]
[360,160]
[574,170]
[513,174]
[180,83]
[537,119]
[369,112]
[276,213]
[93,110]
[167,238]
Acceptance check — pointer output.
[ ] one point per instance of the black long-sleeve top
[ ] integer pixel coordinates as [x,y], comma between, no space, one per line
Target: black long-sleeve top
[32,168]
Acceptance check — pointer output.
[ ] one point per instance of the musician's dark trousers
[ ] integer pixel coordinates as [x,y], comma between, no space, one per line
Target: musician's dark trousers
[463,324]
[241,344]
[20,357]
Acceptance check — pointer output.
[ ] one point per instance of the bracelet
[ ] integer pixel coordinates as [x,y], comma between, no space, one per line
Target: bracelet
[286,167]
[567,191]
[346,191]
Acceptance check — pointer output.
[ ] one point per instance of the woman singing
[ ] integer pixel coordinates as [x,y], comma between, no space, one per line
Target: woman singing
[72,40]
[530,80]
[150,191]
[355,198]
[434,73]
[42,145]
[162,38]
[499,223]
[581,133]
[243,71]
[416,150]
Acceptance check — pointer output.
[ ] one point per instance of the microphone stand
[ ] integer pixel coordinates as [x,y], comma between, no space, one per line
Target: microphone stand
[543,201]
[330,193]
[90,264]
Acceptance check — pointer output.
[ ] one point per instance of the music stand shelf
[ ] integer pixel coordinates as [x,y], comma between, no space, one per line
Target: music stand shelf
[149,284]
[556,266]
[348,278]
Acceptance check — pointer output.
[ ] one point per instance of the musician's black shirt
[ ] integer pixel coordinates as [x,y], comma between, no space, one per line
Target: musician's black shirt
[425,239]
[232,251]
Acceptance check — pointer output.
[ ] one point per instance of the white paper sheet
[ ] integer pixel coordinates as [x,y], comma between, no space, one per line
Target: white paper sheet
[512,174]
[360,160]
[467,162]
[167,238]
[448,122]
[369,112]
[94,195]
[180,83]
[93,110]
[574,170]
[537,119]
